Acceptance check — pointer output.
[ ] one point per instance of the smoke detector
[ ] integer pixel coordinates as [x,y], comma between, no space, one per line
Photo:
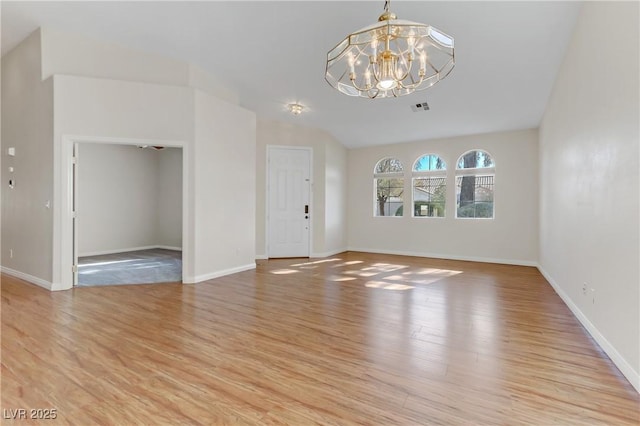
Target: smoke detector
[420,106]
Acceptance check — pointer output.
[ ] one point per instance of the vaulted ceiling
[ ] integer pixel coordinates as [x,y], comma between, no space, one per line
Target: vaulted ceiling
[273,53]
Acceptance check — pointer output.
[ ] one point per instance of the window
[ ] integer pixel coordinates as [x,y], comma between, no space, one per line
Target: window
[475,173]
[388,183]
[429,186]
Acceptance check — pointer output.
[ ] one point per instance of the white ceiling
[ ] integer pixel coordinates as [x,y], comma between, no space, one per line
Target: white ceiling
[273,53]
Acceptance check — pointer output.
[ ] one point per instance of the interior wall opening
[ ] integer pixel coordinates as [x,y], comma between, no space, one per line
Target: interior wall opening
[128,214]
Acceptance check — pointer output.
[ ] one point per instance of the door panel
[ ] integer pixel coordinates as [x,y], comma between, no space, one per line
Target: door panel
[289,191]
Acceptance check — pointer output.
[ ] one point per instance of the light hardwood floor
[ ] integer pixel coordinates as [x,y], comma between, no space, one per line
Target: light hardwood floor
[352,339]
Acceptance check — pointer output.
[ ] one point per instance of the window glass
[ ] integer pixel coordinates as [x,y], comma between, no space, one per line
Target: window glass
[429,195]
[475,182]
[388,185]
[429,185]
[429,162]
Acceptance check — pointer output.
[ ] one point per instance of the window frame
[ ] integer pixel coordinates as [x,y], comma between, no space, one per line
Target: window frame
[428,174]
[389,175]
[476,172]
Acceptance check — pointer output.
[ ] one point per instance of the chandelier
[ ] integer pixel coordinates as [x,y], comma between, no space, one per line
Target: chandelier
[390,58]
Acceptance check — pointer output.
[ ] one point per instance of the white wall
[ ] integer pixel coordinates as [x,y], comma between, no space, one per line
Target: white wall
[224,213]
[116,198]
[169,198]
[90,109]
[328,207]
[44,119]
[67,53]
[589,180]
[128,198]
[27,125]
[335,204]
[511,237]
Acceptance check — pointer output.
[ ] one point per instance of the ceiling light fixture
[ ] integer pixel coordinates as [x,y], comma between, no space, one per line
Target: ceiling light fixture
[390,58]
[296,109]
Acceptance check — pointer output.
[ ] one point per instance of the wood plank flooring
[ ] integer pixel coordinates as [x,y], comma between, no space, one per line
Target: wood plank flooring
[352,339]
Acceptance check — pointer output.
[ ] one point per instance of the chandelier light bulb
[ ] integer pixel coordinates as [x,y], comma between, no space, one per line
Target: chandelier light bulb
[296,109]
[386,84]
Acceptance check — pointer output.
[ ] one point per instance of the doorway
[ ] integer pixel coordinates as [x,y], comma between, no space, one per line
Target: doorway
[288,196]
[127,220]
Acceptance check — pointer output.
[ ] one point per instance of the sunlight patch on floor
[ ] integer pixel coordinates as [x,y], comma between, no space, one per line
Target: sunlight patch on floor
[388,267]
[438,272]
[111,262]
[360,273]
[339,278]
[316,262]
[413,281]
[284,271]
[387,286]
[349,263]
[399,280]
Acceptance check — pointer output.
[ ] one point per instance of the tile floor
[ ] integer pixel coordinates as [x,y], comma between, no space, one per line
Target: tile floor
[134,267]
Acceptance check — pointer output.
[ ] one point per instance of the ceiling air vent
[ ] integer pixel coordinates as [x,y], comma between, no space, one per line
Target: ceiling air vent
[420,106]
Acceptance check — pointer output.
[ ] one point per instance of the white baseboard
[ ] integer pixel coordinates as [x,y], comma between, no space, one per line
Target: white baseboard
[169,248]
[328,253]
[625,368]
[217,274]
[26,277]
[449,257]
[125,250]
[312,255]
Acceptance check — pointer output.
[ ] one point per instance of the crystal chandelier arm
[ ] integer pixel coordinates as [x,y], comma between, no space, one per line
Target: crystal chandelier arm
[375,71]
[414,82]
[408,64]
[376,93]
[368,85]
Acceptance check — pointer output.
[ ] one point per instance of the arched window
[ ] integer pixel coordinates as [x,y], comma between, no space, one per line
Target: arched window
[388,183]
[475,175]
[429,185]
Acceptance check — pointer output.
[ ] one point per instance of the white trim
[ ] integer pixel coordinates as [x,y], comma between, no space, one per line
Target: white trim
[26,277]
[625,368]
[217,274]
[517,262]
[328,253]
[169,248]
[312,255]
[126,250]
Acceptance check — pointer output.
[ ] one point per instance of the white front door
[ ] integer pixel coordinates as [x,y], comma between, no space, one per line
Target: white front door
[289,211]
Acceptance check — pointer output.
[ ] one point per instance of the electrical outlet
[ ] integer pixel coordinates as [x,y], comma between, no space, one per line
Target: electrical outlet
[585,288]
